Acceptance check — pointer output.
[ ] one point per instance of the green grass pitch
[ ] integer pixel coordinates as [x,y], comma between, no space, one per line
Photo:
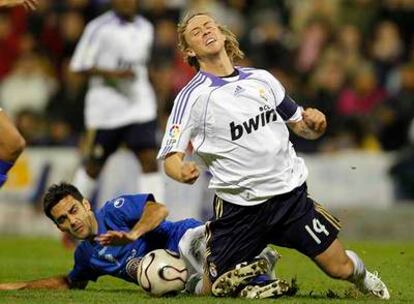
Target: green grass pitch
[26,259]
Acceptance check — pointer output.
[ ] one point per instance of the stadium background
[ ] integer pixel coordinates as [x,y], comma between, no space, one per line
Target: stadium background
[353,59]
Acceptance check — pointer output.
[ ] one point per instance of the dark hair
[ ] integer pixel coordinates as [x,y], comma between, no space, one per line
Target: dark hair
[56,193]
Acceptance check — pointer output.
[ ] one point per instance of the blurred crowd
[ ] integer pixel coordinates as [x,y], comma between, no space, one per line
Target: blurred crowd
[352,59]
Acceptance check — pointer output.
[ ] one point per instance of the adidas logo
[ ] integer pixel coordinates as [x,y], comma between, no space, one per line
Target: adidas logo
[238,90]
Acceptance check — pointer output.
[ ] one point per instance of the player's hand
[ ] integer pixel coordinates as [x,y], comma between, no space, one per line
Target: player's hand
[123,74]
[28,4]
[189,172]
[315,120]
[11,286]
[115,78]
[115,238]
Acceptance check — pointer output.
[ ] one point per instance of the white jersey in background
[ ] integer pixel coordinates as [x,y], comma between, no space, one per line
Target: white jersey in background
[111,43]
[237,126]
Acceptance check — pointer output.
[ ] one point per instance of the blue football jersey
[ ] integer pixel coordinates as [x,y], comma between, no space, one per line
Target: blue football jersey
[93,260]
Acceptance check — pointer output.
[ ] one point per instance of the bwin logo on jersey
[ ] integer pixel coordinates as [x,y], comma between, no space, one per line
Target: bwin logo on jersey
[252,124]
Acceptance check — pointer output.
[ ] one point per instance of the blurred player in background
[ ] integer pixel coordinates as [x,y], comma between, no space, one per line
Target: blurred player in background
[11,141]
[118,236]
[236,119]
[120,105]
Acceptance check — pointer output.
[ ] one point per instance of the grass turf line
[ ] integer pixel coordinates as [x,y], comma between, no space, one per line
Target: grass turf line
[28,258]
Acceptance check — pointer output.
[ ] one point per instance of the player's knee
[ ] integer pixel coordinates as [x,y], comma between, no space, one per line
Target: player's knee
[15,147]
[184,247]
[19,146]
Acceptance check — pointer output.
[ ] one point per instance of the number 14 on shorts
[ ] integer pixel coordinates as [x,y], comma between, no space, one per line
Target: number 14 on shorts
[317,228]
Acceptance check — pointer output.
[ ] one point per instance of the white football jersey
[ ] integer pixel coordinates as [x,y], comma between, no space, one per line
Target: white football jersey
[237,127]
[111,43]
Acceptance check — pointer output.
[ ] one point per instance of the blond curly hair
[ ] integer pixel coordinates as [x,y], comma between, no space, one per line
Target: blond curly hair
[231,44]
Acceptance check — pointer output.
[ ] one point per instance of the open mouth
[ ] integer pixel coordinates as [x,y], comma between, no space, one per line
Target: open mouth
[210,41]
[78,228]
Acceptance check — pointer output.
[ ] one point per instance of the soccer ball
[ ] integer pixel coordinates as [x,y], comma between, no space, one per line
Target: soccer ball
[162,272]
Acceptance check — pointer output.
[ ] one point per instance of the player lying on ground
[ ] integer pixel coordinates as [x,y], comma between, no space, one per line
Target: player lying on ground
[117,237]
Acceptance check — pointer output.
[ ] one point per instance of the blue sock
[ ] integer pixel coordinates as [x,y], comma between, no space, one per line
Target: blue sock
[4,168]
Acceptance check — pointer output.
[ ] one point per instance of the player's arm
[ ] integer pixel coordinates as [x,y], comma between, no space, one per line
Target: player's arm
[110,77]
[180,129]
[312,125]
[28,4]
[109,74]
[57,282]
[180,170]
[86,55]
[309,124]
[153,214]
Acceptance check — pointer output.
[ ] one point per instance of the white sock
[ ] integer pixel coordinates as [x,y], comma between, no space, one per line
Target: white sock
[359,267]
[85,184]
[152,183]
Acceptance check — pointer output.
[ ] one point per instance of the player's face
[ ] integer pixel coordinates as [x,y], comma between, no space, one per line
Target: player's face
[126,8]
[204,37]
[74,217]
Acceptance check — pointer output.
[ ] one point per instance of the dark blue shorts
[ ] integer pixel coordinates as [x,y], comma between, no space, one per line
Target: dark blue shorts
[101,143]
[239,233]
